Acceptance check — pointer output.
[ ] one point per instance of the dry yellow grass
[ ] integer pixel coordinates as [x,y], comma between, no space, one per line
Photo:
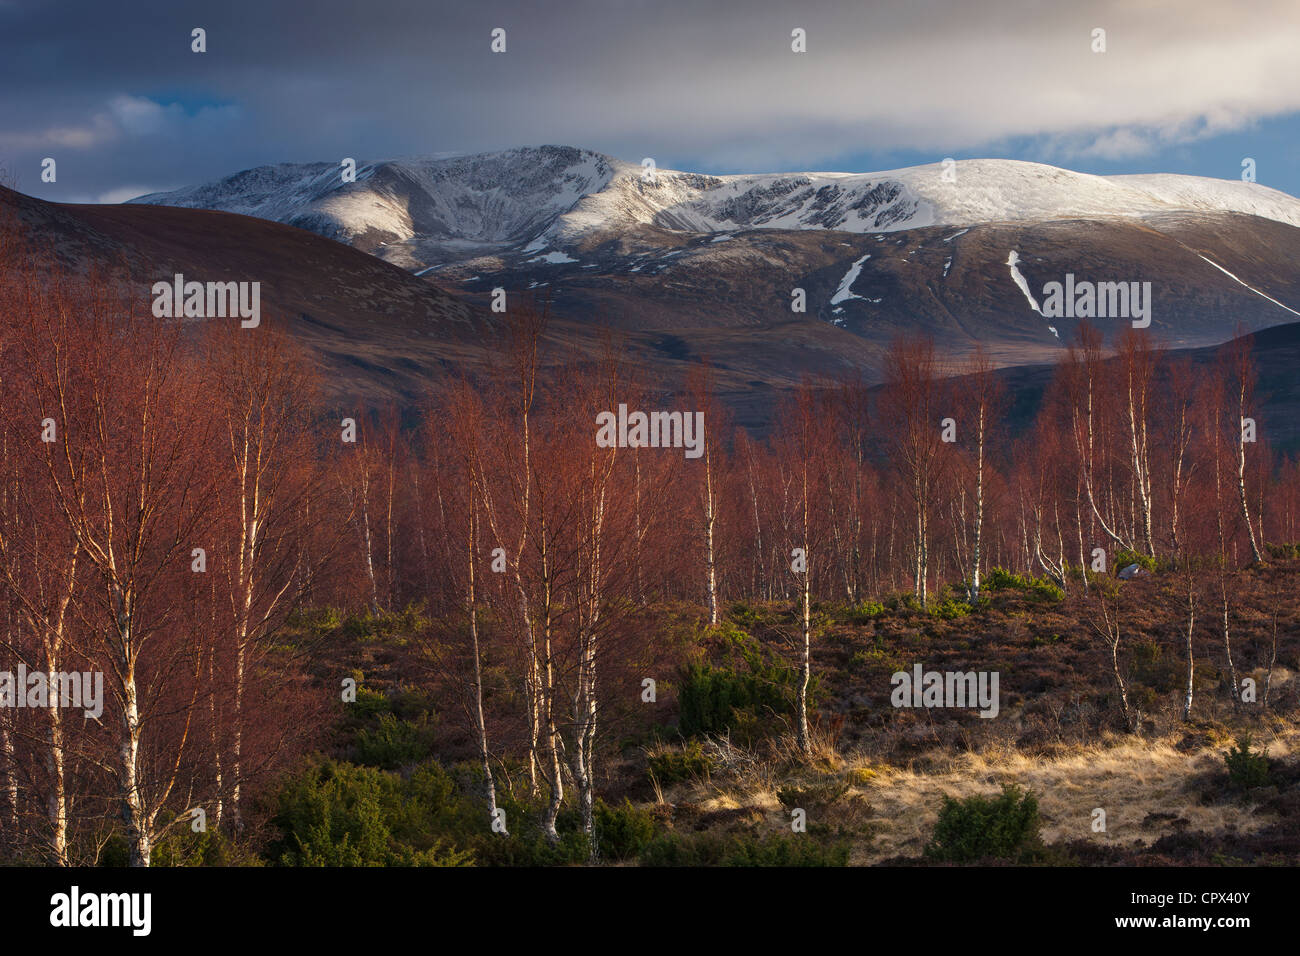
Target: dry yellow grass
[1133,780]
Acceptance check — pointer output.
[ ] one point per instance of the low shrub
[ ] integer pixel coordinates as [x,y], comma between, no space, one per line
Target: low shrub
[745,698]
[978,827]
[622,831]
[860,776]
[337,814]
[367,627]
[950,609]
[819,795]
[1000,579]
[689,763]
[743,614]
[1040,589]
[1124,557]
[1247,768]
[1046,590]
[393,743]
[209,847]
[864,613]
[903,602]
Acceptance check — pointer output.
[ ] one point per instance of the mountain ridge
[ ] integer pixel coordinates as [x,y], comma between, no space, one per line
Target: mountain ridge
[423,214]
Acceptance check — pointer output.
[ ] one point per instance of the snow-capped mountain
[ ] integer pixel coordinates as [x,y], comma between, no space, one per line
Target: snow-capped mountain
[427,213]
[963,251]
[445,209]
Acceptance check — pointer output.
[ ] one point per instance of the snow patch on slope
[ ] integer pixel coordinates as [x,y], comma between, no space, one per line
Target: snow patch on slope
[1012,263]
[844,293]
[1250,287]
[553,258]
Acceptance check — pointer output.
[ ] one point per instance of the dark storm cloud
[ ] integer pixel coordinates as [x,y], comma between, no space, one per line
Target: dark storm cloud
[113,92]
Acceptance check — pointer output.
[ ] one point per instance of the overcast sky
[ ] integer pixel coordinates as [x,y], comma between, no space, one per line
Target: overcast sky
[114,94]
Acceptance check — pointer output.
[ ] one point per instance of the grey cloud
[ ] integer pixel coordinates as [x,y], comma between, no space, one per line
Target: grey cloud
[693,84]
